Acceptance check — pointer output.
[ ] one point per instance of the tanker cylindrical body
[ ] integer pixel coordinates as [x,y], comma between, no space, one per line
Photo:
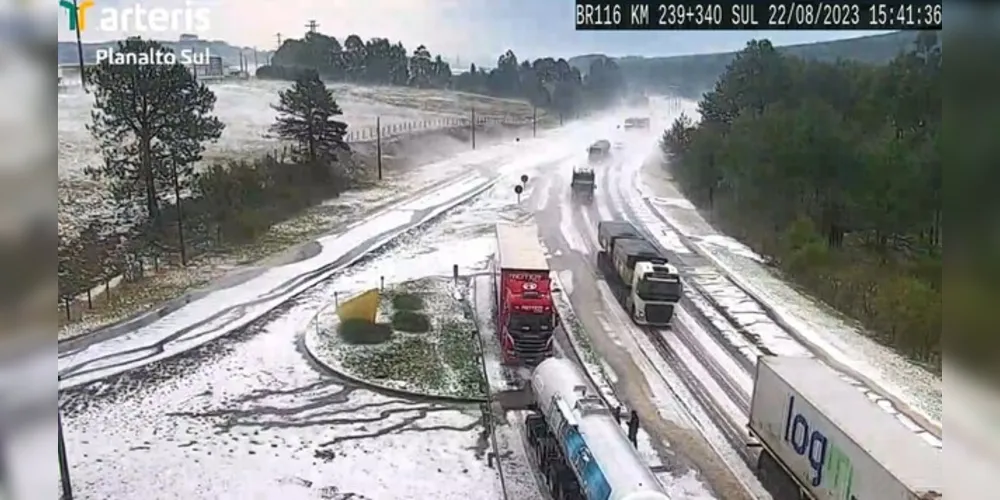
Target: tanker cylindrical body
[591,442]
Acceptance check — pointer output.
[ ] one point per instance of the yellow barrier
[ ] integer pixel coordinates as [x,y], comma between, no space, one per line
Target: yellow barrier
[364,306]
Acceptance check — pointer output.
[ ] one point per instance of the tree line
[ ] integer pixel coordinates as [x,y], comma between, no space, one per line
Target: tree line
[546,82]
[834,170]
[151,124]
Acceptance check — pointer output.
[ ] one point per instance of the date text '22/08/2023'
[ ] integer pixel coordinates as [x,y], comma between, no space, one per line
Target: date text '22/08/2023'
[771,15]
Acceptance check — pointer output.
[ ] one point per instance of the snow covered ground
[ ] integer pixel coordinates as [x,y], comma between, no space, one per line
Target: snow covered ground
[245,108]
[249,418]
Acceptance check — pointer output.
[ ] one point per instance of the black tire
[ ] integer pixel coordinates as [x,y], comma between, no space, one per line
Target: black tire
[775,480]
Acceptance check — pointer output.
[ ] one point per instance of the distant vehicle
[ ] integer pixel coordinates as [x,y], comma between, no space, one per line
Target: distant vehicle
[619,145]
[645,284]
[636,123]
[583,184]
[599,152]
[822,438]
[526,315]
[581,448]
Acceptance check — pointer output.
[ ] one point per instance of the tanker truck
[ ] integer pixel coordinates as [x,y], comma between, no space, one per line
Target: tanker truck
[644,283]
[525,312]
[580,447]
[821,438]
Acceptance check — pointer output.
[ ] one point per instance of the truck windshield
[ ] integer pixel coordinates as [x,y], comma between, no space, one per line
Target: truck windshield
[529,322]
[656,289]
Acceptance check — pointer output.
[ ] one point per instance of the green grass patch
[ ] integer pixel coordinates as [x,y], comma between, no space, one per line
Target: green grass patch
[411,322]
[459,350]
[406,301]
[432,346]
[361,332]
[409,359]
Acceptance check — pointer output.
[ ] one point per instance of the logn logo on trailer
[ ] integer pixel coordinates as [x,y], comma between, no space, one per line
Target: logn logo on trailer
[136,18]
[831,467]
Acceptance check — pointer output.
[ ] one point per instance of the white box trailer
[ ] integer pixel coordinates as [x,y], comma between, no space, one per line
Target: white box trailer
[518,248]
[835,442]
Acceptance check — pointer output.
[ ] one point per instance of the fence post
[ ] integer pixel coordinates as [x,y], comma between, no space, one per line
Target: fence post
[473,127]
[336,299]
[534,121]
[454,272]
[67,488]
[381,283]
[378,146]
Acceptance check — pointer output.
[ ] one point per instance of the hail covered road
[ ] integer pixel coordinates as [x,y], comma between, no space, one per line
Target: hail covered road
[217,400]
[691,382]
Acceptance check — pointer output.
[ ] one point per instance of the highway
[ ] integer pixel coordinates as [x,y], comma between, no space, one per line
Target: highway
[220,388]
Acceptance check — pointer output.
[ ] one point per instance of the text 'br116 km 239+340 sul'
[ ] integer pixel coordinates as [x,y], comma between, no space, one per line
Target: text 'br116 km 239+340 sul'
[619,15]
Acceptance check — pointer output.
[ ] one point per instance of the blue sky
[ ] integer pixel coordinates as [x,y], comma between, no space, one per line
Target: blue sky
[473,30]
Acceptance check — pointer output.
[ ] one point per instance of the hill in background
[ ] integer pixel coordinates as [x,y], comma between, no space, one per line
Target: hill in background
[690,76]
[230,54]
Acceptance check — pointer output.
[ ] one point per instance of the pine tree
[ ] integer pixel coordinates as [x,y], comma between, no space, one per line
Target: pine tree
[306,118]
[151,122]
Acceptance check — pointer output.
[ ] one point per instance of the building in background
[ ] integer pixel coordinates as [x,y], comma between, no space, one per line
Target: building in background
[214,70]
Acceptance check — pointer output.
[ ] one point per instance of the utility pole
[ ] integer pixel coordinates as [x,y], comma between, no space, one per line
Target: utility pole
[473,127]
[180,213]
[67,488]
[79,46]
[312,25]
[278,36]
[378,145]
[534,121]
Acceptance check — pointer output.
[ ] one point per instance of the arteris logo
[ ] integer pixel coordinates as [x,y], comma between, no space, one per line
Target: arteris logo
[136,18]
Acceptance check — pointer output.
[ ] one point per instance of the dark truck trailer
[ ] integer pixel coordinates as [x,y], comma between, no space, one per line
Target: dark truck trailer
[643,281]
[583,184]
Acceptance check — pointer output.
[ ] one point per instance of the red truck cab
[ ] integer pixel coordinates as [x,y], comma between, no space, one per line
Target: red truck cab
[525,311]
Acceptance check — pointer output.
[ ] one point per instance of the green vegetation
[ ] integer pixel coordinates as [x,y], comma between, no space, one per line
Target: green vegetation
[149,156]
[406,301]
[833,169]
[406,359]
[689,76]
[433,350]
[548,83]
[460,351]
[361,332]
[410,322]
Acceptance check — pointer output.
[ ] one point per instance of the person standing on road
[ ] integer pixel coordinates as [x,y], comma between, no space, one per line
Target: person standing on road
[633,428]
[617,413]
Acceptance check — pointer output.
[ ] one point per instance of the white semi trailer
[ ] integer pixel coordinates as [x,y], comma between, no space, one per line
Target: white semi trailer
[823,439]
